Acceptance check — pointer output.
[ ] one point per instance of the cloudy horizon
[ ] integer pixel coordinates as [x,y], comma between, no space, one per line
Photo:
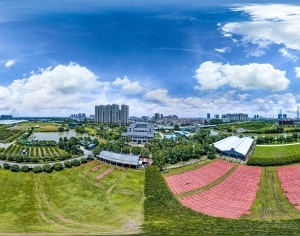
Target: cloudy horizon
[200,59]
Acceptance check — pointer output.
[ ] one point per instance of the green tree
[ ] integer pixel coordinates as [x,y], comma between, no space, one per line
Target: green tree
[24,168]
[136,150]
[15,168]
[68,164]
[6,166]
[75,162]
[47,168]
[58,166]
[145,152]
[83,160]
[37,169]
[125,150]
[158,159]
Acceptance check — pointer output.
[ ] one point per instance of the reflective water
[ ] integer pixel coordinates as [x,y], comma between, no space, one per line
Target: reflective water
[55,135]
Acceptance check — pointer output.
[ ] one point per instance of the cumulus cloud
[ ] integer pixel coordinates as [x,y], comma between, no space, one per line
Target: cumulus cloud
[10,63]
[268,24]
[297,71]
[127,86]
[223,50]
[211,75]
[63,86]
[284,52]
[158,95]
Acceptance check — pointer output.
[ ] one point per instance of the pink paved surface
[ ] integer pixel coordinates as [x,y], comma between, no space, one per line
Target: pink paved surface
[232,198]
[194,179]
[289,176]
[105,173]
[95,168]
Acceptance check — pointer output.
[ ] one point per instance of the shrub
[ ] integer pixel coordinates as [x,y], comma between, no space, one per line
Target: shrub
[47,168]
[90,157]
[58,166]
[68,164]
[37,169]
[2,157]
[24,169]
[6,166]
[76,162]
[15,168]
[262,161]
[83,160]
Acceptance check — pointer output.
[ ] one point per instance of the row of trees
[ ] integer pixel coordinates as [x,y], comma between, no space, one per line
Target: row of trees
[280,139]
[47,167]
[272,161]
[70,145]
[33,159]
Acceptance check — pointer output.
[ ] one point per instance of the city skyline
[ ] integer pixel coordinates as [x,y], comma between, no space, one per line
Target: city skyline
[158,57]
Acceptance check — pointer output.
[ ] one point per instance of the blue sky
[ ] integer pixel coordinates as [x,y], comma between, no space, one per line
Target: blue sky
[187,59]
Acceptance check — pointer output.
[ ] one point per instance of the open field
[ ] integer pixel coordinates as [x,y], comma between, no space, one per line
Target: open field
[276,151]
[72,201]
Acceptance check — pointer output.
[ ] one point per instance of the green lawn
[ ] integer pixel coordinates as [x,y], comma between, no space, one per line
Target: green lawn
[270,203]
[71,201]
[276,151]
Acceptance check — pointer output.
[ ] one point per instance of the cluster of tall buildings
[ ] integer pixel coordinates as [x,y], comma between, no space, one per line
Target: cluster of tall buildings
[6,117]
[79,116]
[112,114]
[231,117]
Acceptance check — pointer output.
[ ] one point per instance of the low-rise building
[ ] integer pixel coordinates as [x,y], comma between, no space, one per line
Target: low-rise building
[140,132]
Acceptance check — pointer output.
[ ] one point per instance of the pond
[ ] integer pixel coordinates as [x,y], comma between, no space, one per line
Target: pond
[55,135]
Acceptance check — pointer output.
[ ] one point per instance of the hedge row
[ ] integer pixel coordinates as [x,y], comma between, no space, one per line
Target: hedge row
[273,161]
[47,167]
[165,215]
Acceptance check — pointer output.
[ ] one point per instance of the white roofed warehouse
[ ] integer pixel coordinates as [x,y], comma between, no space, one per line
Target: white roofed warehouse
[235,147]
[124,160]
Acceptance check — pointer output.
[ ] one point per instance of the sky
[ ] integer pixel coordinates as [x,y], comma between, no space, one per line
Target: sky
[186,58]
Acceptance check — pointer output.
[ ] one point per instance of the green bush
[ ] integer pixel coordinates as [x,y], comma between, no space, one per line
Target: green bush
[68,164]
[6,166]
[76,162]
[83,160]
[24,169]
[47,168]
[273,161]
[58,166]
[15,168]
[37,169]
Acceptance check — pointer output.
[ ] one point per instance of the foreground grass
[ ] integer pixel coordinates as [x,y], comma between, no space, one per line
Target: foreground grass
[71,201]
[270,203]
[276,151]
[164,214]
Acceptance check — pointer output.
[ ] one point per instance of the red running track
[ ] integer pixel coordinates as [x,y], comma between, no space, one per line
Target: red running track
[232,198]
[194,179]
[289,176]
[105,173]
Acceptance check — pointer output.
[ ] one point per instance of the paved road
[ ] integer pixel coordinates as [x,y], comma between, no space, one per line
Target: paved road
[31,165]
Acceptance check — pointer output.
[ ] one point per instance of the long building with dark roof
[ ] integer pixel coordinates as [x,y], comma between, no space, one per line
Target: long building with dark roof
[119,159]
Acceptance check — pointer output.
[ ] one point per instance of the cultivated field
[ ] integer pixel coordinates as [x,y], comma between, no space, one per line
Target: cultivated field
[72,201]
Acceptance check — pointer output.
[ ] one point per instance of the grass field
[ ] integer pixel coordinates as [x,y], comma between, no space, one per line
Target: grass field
[270,203]
[276,151]
[72,201]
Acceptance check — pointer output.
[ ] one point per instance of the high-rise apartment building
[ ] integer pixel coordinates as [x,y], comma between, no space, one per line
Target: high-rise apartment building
[111,114]
[124,114]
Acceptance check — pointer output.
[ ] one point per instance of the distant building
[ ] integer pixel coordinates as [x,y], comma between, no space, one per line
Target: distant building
[156,116]
[6,117]
[111,114]
[256,117]
[79,116]
[279,116]
[208,116]
[284,121]
[216,116]
[140,132]
[284,116]
[235,117]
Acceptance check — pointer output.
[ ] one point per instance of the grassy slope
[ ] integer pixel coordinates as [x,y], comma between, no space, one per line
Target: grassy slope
[71,201]
[276,151]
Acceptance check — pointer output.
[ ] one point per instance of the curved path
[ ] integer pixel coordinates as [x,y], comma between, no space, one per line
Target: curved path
[31,165]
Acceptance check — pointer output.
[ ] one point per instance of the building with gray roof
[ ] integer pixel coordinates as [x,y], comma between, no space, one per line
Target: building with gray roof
[235,147]
[119,159]
[140,132]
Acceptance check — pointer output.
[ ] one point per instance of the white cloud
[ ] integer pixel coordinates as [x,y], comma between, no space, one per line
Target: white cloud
[128,87]
[269,24]
[55,89]
[297,71]
[10,63]
[223,50]
[211,75]
[284,52]
[158,95]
